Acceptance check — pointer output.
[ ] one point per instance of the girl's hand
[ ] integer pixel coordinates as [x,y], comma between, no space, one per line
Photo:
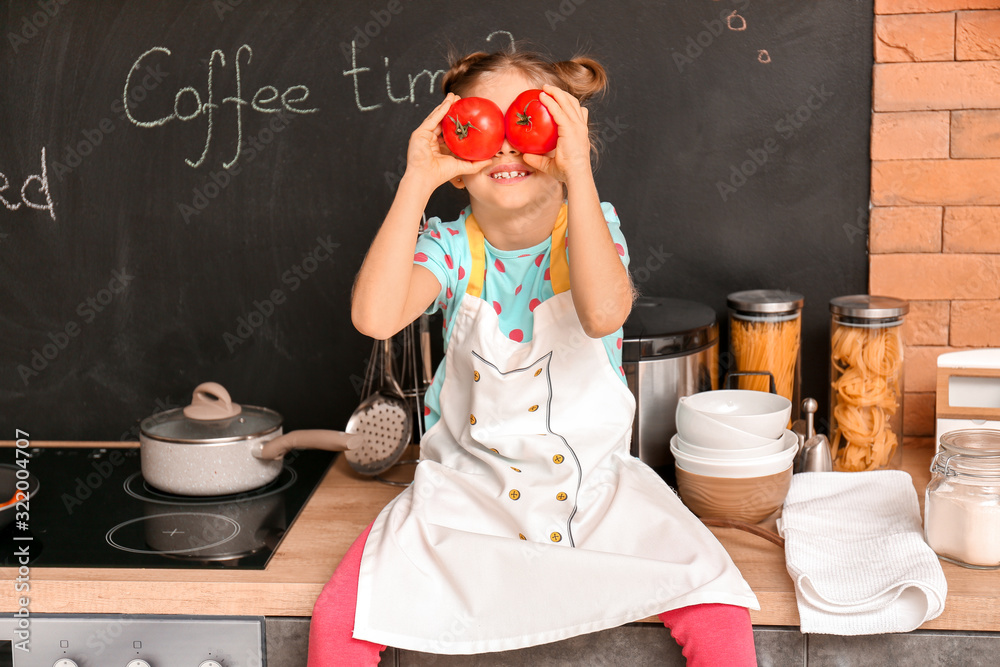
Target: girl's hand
[571,157]
[428,159]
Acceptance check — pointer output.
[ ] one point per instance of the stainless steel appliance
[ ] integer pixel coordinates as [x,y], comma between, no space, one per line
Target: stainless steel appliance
[133,640]
[670,349]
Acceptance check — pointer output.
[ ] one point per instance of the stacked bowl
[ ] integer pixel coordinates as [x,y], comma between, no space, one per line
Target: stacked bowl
[734,453]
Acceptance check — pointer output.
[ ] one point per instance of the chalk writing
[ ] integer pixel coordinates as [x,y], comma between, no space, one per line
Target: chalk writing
[510,36]
[411,95]
[736,22]
[265,100]
[42,181]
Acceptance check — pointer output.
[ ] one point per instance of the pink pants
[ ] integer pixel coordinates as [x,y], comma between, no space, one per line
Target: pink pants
[709,634]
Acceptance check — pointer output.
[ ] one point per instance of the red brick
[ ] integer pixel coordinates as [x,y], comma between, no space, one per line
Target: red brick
[922,6]
[926,86]
[971,229]
[918,414]
[975,323]
[927,323]
[905,229]
[935,277]
[977,36]
[935,182]
[908,135]
[975,134]
[914,37]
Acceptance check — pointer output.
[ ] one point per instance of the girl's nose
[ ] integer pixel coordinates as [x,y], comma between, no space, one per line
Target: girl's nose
[507,149]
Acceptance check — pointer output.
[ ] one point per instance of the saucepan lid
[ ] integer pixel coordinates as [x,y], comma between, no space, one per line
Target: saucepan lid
[212,417]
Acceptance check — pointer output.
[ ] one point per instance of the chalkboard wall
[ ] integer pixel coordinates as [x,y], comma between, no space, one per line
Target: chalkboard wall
[188,188]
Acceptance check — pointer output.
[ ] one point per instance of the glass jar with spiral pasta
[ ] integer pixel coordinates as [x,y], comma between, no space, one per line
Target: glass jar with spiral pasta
[866,382]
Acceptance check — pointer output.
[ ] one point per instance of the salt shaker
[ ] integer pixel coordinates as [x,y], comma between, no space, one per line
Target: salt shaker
[814,452]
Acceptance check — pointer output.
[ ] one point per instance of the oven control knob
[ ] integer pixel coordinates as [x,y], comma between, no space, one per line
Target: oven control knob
[65,662]
[138,662]
[210,663]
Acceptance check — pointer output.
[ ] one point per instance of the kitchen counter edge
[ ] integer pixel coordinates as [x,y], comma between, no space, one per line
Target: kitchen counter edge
[345,503]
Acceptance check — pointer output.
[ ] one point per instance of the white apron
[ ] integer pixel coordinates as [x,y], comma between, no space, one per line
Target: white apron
[528,521]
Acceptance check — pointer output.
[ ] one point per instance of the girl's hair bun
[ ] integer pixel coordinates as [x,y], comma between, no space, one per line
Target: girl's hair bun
[584,77]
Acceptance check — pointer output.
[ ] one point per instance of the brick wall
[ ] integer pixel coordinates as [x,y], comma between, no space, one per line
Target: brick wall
[935,225]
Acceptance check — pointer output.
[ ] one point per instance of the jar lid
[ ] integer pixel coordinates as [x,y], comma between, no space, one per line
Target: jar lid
[972,442]
[984,469]
[663,328]
[765,301]
[174,426]
[865,306]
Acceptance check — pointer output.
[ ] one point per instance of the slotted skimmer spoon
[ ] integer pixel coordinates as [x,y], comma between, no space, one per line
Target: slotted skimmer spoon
[383,418]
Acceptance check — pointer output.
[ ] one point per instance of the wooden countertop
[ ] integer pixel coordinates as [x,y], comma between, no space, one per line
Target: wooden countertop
[345,503]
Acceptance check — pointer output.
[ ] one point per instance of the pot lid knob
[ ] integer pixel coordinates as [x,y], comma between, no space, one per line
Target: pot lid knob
[210,402]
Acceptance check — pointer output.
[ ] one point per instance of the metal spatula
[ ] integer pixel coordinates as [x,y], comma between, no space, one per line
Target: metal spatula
[383,418]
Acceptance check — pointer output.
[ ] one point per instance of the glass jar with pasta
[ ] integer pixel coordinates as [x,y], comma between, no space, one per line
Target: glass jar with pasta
[866,382]
[765,334]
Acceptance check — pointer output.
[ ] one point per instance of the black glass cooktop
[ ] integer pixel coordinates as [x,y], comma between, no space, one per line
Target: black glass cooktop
[93,509]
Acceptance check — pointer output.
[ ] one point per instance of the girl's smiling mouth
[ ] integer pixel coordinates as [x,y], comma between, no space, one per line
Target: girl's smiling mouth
[510,173]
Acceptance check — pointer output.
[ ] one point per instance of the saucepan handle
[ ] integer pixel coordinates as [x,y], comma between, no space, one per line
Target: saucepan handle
[334,441]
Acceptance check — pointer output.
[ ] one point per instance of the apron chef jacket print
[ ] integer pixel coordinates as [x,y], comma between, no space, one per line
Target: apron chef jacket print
[528,521]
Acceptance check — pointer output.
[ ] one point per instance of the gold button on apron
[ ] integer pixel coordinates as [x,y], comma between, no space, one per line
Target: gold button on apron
[555,537]
[515,469]
[521,535]
[538,372]
[475,375]
[558,458]
[514,494]
[494,450]
[532,408]
[561,496]
[472,419]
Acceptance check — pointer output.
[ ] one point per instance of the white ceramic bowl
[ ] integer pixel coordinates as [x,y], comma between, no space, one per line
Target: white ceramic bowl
[778,445]
[702,430]
[737,468]
[756,412]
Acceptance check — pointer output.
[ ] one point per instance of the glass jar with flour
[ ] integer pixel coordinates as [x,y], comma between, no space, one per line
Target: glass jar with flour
[962,500]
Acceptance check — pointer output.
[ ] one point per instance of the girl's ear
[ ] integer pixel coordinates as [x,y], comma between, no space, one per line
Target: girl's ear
[458,182]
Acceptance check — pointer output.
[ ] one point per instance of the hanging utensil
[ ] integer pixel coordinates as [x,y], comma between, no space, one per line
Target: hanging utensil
[425,349]
[383,419]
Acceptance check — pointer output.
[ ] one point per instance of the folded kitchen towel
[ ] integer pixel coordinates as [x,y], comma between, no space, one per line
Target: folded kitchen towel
[856,552]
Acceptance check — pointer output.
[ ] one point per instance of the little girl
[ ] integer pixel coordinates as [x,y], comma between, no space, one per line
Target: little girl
[527,521]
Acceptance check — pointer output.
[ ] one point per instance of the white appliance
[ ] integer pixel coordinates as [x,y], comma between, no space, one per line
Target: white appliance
[968,391]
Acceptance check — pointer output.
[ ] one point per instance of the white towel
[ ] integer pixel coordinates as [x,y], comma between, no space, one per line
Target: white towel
[855,549]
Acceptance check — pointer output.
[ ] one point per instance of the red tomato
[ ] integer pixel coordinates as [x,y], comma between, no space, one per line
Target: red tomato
[473,128]
[529,125]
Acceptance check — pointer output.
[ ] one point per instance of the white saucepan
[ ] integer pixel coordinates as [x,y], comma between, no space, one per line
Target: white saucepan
[216,447]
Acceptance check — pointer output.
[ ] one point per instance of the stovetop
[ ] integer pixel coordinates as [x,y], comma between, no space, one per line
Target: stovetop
[94,509]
